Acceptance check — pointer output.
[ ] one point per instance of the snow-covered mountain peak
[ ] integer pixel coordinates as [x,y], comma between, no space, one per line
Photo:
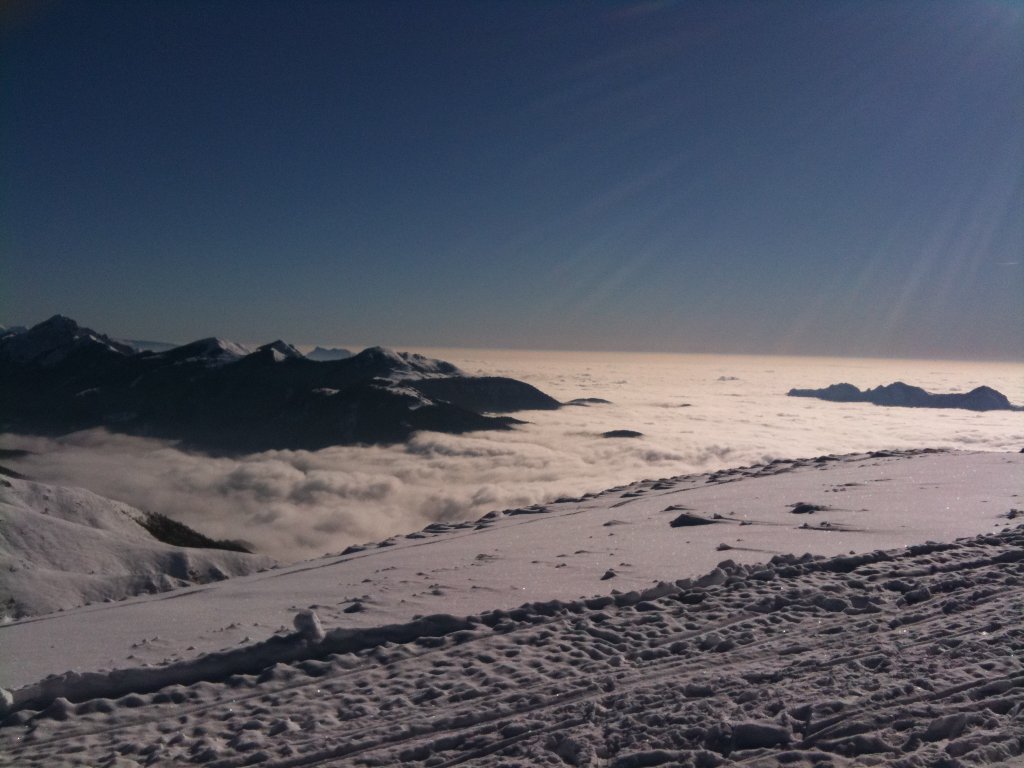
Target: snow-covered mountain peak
[430,365]
[384,354]
[279,351]
[407,364]
[212,350]
[51,341]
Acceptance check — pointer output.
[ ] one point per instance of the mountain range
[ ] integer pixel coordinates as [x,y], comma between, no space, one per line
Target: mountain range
[217,397]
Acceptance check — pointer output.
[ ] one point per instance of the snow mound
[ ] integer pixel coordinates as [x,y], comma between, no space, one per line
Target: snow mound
[65,547]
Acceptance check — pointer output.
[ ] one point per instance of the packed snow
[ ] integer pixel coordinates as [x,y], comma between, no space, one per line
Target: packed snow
[836,610]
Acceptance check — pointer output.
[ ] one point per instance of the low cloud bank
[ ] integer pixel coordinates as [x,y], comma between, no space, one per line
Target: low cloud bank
[297,504]
[300,504]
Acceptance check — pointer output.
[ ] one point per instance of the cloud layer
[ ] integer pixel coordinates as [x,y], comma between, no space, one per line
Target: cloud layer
[696,412]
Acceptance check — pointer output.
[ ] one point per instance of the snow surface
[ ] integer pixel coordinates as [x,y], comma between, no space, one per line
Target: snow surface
[64,547]
[639,643]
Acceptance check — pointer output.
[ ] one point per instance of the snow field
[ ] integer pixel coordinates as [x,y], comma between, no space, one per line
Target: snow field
[470,643]
[904,658]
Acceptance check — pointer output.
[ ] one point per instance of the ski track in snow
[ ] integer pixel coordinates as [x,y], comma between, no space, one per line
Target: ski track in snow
[910,657]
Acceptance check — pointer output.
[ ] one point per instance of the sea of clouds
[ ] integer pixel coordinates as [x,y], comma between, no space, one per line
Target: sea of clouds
[697,413]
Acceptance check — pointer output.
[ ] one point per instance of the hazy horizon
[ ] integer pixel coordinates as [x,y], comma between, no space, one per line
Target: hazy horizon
[443,352]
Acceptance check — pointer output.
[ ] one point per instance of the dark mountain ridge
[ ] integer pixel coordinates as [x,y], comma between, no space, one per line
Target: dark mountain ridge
[907,396]
[217,397]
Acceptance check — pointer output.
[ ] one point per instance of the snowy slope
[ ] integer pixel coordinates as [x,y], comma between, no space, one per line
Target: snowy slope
[65,547]
[557,551]
[903,658]
[638,642]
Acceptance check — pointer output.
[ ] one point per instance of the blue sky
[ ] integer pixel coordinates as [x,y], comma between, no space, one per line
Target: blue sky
[799,177]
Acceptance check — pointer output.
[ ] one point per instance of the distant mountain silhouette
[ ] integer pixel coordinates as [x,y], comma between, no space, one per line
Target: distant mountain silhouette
[218,397]
[329,353]
[54,341]
[907,396]
[143,345]
[11,330]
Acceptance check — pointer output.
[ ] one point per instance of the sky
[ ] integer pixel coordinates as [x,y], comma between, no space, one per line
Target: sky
[830,178]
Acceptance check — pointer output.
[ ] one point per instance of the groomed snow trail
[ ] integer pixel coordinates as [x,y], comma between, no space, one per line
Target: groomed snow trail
[903,658]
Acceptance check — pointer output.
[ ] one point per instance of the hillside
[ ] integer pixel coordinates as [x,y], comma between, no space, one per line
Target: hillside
[65,547]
